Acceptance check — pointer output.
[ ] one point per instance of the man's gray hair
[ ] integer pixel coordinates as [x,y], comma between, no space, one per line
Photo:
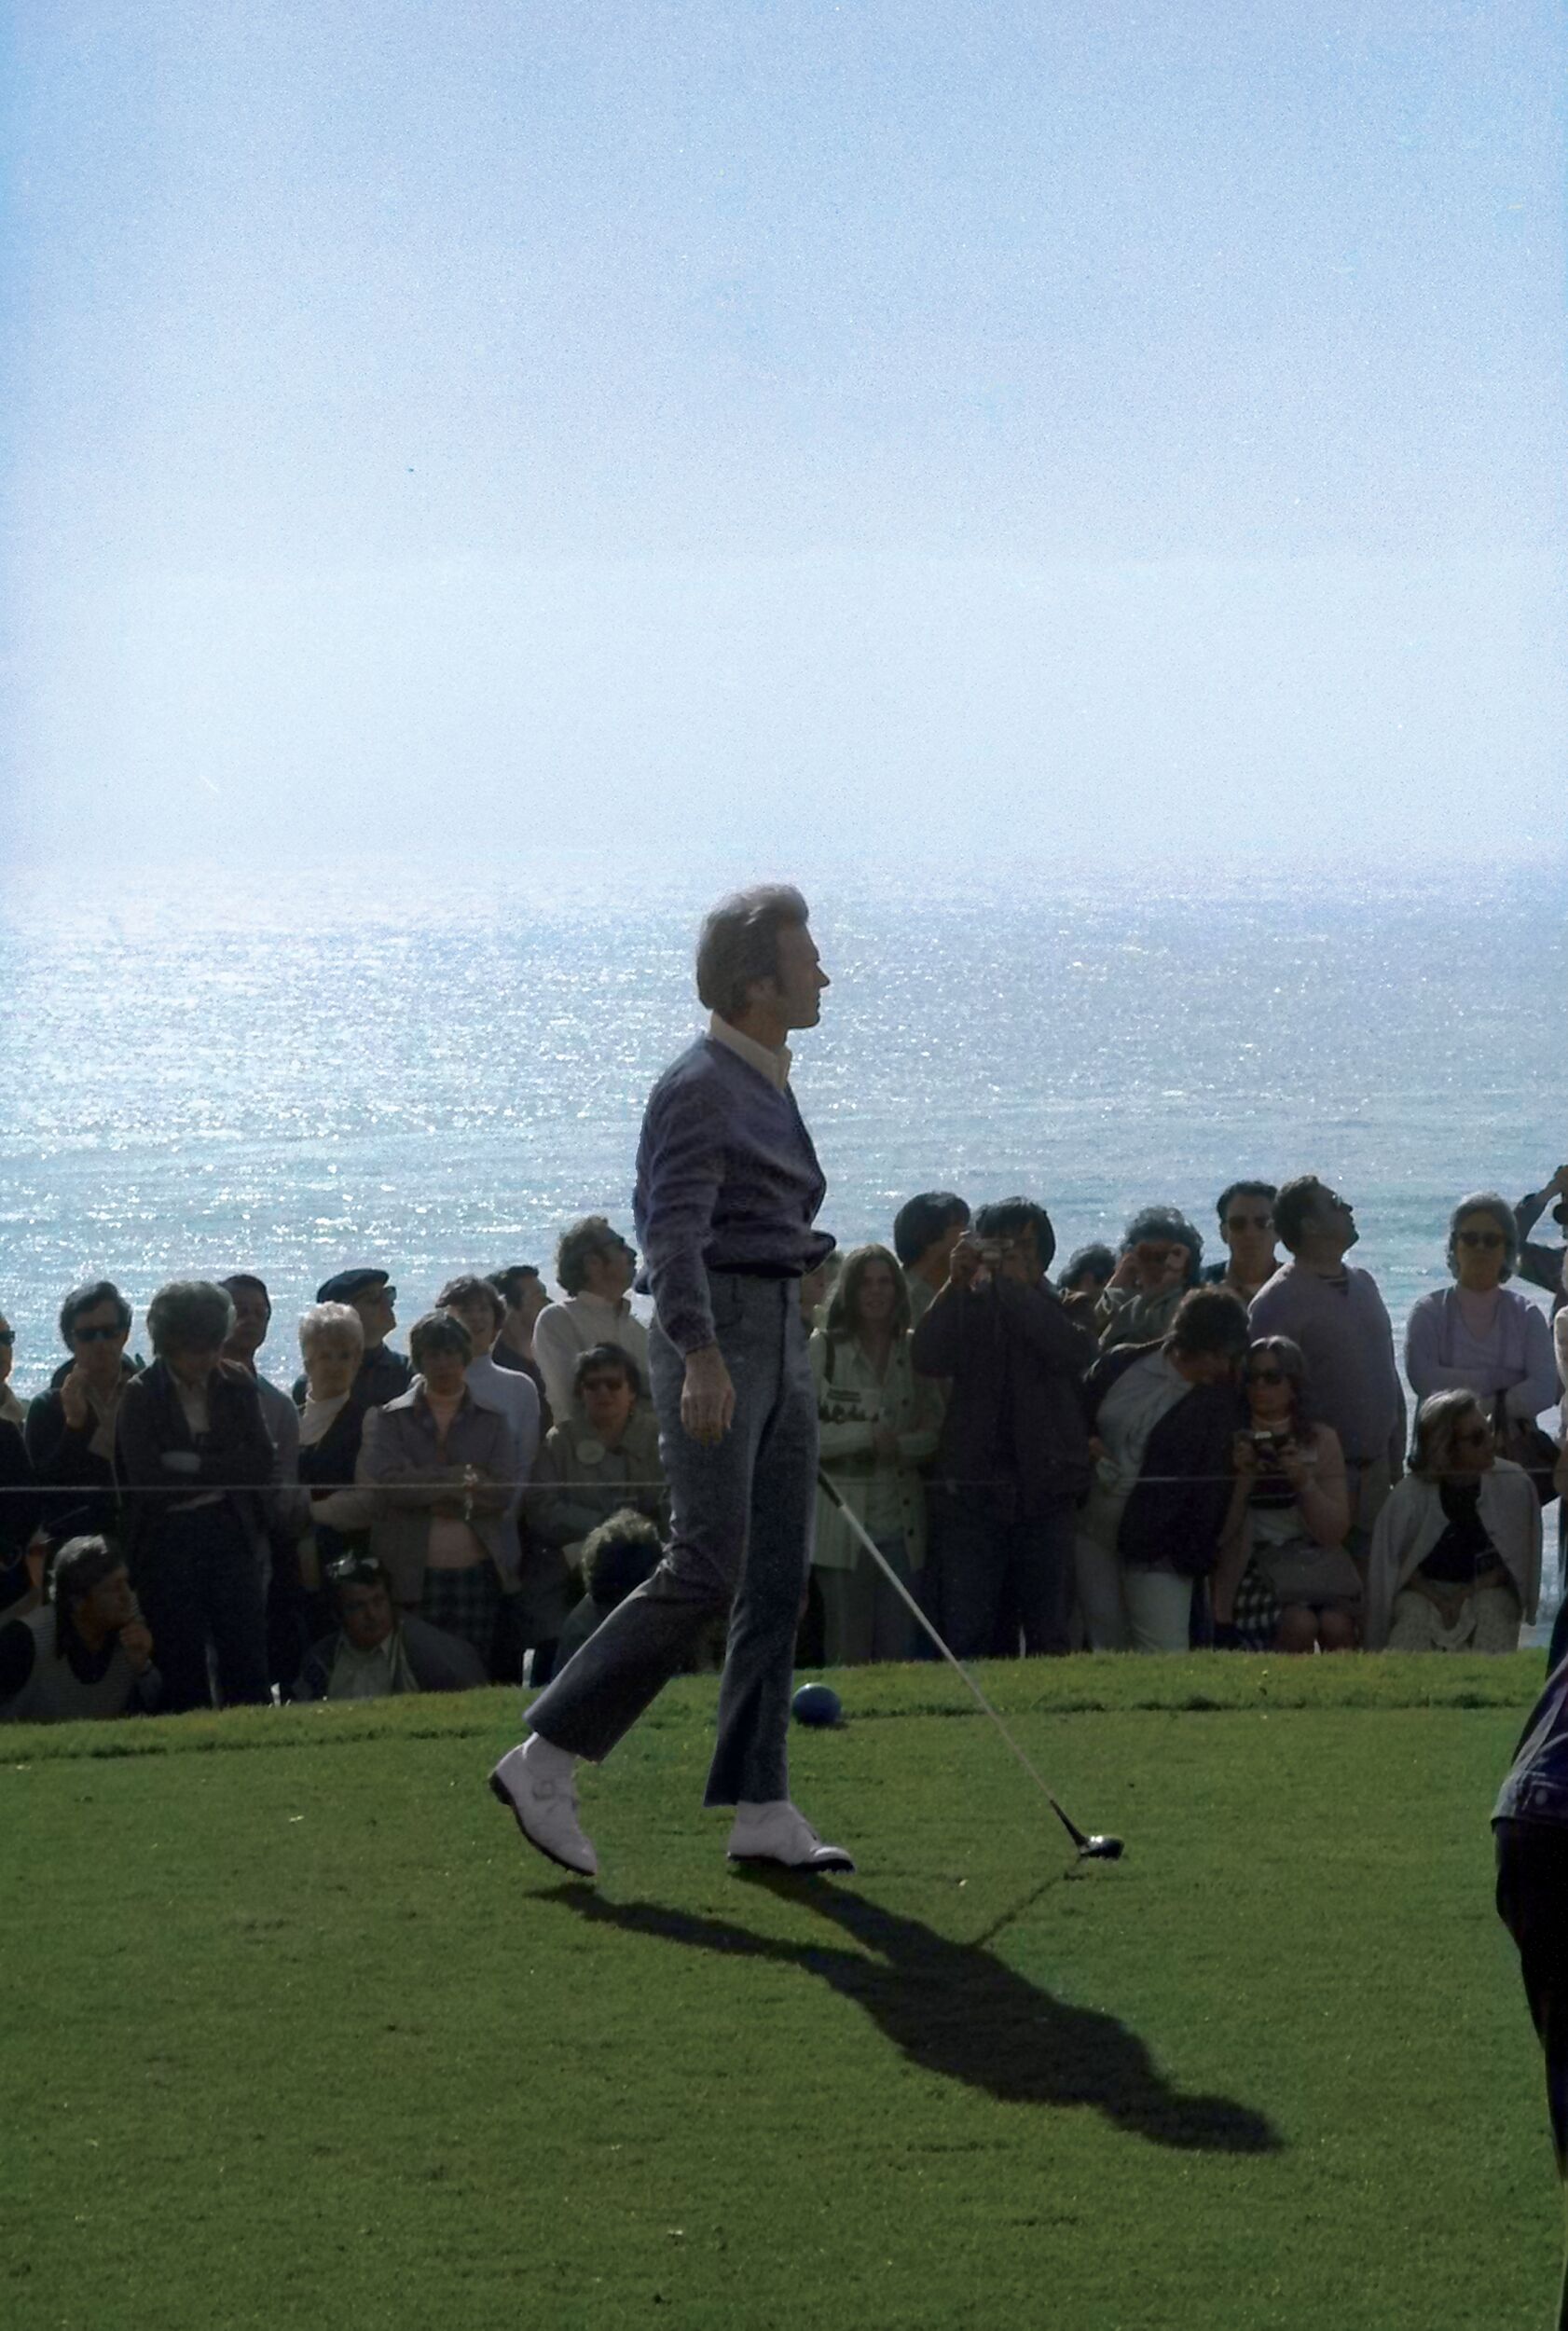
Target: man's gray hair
[1493,1203]
[739,943]
[330,1319]
[189,1316]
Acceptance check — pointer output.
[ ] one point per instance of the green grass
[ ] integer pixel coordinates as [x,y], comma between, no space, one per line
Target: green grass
[299,2034]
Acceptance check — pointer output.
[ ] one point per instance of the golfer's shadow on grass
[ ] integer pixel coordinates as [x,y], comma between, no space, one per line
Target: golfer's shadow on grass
[955,2009]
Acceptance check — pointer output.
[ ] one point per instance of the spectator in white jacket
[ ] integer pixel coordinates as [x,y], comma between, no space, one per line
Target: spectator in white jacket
[1455,1563]
[594,1266]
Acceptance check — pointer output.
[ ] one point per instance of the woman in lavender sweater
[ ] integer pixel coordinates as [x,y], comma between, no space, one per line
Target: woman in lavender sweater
[1475,1336]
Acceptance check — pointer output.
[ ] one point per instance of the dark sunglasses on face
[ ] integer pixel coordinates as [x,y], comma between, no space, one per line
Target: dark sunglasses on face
[1265,1376]
[95,1335]
[1481,1238]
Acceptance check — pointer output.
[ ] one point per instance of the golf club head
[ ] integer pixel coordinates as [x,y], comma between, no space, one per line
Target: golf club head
[1101,1849]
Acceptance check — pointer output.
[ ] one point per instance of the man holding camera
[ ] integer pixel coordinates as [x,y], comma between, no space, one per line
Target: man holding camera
[1013,1456]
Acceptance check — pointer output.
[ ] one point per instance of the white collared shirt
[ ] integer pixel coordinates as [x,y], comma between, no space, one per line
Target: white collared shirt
[773,1065]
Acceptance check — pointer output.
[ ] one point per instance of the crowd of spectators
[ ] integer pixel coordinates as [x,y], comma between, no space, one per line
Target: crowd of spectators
[1143,1453]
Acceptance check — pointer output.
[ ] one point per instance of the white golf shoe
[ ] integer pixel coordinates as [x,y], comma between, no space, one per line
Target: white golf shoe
[546,1810]
[778,1833]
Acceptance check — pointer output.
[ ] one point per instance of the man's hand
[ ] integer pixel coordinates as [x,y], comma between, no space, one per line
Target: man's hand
[884,1441]
[135,1641]
[1126,1271]
[707,1396]
[1558,1186]
[73,1400]
[963,1265]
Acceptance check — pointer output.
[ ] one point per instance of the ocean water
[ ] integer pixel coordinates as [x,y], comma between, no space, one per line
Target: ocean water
[246,1074]
[286,1075]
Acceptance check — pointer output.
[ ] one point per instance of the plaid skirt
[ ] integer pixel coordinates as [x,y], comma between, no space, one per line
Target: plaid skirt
[1256,1611]
[465,1603]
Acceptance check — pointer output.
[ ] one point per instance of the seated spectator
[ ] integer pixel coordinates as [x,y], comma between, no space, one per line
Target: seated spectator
[437,1463]
[1337,1318]
[616,1558]
[603,1459]
[1160,1258]
[383,1374]
[878,1423]
[596,1267]
[925,1230]
[1246,1228]
[1545,1266]
[84,1653]
[191,1431]
[523,1293]
[1165,1417]
[1083,1279]
[70,1429]
[1456,1555]
[331,1427]
[1013,1453]
[12,1409]
[1477,1336]
[377,1650]
[288,1511]
[1283,1553]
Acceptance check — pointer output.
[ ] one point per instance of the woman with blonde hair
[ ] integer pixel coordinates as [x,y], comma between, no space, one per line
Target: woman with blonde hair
[1455,1561]
[878,1423]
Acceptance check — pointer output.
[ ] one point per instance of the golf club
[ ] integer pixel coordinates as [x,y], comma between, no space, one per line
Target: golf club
[1092,1849]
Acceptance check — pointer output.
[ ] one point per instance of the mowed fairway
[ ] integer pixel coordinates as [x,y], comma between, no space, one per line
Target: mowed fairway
[299,2032]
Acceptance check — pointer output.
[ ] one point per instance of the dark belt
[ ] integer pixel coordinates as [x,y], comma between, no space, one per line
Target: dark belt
[756,1270]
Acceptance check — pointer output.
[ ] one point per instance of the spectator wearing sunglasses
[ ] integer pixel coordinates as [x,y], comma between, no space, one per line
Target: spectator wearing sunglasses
[1283,1580]
[70,1429]
[1162,1254]
[1455,1563]
[1476,1336]
[1246,1229]
[383,1374]
[595,1267]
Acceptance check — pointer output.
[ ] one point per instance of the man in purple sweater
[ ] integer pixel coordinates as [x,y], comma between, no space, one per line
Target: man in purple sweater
[727,1189]
[1338,1319]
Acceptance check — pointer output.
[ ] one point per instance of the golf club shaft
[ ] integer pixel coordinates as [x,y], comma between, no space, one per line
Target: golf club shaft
[831,1490]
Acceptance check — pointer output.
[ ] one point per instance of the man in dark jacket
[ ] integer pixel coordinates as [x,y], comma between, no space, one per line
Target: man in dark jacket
[1014,1458]
[383,1374]
[1165,1416]
[70,1429]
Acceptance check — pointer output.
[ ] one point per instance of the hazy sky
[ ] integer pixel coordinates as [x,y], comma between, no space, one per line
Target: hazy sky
[442,427]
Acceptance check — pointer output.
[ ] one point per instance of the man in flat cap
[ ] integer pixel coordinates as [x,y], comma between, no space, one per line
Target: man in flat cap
[383,1375]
